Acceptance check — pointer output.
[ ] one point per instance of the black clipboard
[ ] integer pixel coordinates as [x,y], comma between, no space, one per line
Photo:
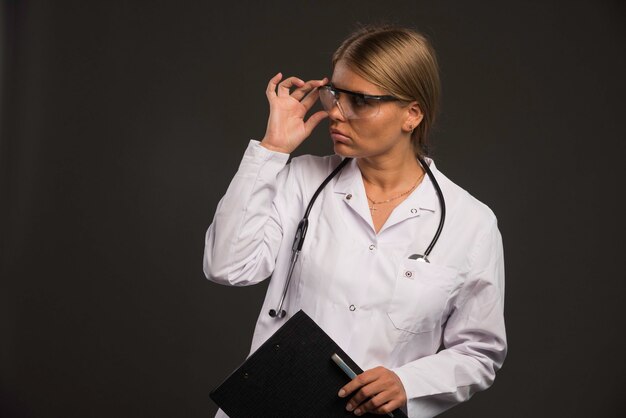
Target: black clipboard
[290,375]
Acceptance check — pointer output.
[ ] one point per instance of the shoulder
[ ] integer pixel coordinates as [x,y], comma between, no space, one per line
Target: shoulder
[313,164]
[462,207]
[470,234]
[310,170]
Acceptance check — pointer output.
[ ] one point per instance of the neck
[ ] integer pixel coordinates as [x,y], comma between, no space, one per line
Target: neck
[388,173]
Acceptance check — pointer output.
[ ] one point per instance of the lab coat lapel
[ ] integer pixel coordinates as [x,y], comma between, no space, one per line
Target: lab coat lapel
[350,188]
[424,198]
[422,201]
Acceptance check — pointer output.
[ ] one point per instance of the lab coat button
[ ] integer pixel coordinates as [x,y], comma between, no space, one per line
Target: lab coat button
[348,196]
[408,274]
[352,308]
[372,247]
[413,210]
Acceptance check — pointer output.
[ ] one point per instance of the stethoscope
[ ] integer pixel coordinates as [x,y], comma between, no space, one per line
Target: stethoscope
[298,240]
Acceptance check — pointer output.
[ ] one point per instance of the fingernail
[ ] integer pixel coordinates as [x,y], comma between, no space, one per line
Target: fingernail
[342,393]
[349,407]
[358,412]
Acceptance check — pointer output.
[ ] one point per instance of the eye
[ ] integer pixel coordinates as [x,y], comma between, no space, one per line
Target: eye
[358,101]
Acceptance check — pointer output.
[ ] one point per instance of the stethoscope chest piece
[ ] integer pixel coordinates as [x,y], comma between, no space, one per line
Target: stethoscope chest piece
[419,257]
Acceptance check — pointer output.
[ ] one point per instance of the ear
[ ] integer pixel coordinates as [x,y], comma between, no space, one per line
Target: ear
[414,117]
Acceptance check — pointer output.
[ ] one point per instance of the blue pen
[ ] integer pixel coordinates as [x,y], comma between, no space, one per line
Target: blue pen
[347,370]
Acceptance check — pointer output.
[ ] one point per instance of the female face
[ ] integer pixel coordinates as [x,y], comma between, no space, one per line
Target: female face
[385,132]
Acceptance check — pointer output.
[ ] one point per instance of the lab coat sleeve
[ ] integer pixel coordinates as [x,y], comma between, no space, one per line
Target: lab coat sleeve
[474,338]
[242,242]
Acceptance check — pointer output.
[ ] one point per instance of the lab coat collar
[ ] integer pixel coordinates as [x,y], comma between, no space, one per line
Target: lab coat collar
[350,182]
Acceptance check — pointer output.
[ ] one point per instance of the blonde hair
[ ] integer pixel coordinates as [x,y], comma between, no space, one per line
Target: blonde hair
[400,61]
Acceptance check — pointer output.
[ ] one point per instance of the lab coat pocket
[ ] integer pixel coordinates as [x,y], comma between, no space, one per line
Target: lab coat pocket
[420,297]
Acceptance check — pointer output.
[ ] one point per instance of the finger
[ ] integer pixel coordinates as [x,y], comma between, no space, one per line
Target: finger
[388,407]
[314,120]
[286,85]
[312,97]
[270,91]
[378,402]
[364,394]
[359,381]
[302,91]
[310,87]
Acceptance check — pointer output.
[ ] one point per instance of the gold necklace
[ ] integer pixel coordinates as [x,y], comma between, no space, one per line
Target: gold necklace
[372,208]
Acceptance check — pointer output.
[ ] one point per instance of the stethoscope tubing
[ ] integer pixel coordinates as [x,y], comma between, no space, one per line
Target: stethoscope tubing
[298,240]
[442,204]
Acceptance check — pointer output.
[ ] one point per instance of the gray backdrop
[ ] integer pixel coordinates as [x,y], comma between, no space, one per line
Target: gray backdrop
[123,122]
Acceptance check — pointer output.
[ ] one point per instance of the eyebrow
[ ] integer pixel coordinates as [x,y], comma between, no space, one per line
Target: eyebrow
[353,91]
[366,95]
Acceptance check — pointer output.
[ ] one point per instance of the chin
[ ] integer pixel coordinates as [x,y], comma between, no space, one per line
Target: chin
[343,150]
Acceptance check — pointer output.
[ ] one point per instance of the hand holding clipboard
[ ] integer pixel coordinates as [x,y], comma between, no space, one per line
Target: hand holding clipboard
[291,374]
[347,370]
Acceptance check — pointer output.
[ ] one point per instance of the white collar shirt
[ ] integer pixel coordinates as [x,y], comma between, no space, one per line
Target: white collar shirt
[439,326]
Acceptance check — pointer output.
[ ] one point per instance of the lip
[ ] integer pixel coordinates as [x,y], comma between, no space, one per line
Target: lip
[339,136]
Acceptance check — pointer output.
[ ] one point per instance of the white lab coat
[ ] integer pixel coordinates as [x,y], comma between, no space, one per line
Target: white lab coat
[381,307]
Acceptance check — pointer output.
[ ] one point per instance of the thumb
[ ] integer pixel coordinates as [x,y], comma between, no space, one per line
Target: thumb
[314,120]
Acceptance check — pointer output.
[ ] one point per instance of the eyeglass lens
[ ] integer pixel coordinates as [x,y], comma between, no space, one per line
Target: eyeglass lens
[351,106]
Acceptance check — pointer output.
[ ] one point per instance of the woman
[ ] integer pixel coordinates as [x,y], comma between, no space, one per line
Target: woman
[428,334]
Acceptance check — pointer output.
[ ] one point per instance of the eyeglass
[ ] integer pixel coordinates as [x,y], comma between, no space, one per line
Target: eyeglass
[352,105]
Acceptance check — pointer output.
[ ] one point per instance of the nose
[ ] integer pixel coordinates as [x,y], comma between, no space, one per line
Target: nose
[336,113]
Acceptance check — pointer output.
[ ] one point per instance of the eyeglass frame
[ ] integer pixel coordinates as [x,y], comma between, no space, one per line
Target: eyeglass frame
[380,98]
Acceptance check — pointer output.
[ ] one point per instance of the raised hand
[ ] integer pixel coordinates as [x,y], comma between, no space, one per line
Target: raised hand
[286,127]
